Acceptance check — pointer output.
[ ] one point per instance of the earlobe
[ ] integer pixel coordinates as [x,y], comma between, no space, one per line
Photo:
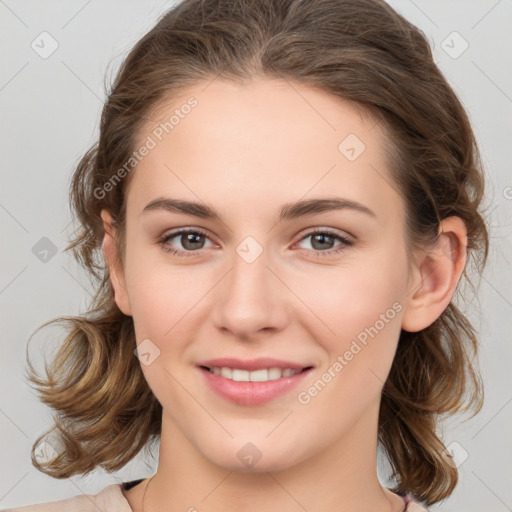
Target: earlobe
[436,276]
[116,272]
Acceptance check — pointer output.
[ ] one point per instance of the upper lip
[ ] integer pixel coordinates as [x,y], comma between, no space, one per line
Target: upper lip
[252,364]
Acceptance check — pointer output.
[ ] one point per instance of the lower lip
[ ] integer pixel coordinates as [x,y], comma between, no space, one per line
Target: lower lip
[252,393]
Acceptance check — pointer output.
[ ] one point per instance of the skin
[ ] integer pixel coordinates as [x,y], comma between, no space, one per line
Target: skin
[246,151]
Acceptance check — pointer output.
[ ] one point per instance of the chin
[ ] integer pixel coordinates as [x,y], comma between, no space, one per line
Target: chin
[258,456]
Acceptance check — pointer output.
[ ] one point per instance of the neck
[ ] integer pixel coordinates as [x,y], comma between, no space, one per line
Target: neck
[340,477]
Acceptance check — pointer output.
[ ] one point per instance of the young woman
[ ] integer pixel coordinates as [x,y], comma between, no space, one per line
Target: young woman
[281,204]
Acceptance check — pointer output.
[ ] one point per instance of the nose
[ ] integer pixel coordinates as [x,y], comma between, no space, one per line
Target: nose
[251,299]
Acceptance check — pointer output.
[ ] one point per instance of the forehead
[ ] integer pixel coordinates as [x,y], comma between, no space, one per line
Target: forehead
[260,108]
[264,142]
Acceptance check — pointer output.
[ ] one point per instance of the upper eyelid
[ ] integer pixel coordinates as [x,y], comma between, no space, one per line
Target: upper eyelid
[305,233]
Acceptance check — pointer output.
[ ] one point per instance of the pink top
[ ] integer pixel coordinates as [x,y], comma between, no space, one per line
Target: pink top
[111,499]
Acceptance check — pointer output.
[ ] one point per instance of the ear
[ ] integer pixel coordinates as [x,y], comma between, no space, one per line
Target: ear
[435,276]
[115,267]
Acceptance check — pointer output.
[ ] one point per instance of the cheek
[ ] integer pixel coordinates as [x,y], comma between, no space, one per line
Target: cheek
[151,295]
[163,301]
[165,298]
[359,356]
[347,299]
[357,322]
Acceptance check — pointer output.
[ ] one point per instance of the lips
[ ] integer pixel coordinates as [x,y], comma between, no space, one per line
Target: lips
[253,364]
[248,392]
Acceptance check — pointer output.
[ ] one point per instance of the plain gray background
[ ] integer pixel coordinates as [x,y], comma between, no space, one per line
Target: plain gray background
[50,111]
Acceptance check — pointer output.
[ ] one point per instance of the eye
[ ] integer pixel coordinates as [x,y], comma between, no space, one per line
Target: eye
[191,239]
[322,240]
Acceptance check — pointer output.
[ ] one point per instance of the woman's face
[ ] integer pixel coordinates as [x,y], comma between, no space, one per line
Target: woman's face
[253,280]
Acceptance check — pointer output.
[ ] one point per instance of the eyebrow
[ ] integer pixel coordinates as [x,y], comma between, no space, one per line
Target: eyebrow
[288,211]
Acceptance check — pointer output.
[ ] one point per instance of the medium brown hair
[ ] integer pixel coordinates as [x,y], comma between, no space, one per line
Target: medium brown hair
[359,50]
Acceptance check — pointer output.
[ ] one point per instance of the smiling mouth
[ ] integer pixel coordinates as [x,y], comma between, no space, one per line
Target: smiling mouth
[261,375]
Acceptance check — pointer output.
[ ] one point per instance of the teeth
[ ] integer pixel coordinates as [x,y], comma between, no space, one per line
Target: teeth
[274,373]
[255,376]
[258,375]
[226,372]
[240,375]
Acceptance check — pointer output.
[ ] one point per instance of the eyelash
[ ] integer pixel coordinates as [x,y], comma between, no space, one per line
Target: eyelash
[324,231]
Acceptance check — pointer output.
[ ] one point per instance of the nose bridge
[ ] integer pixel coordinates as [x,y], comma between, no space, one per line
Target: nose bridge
[250,277]
[252,297]
[250,273]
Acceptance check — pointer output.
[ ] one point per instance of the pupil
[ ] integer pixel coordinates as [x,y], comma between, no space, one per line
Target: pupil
[324,237]
[190,238]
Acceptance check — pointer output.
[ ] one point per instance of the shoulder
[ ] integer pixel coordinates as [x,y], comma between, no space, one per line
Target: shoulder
[412,505]
[110,499]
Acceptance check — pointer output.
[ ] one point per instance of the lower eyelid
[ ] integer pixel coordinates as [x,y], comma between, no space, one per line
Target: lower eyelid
[164,240]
